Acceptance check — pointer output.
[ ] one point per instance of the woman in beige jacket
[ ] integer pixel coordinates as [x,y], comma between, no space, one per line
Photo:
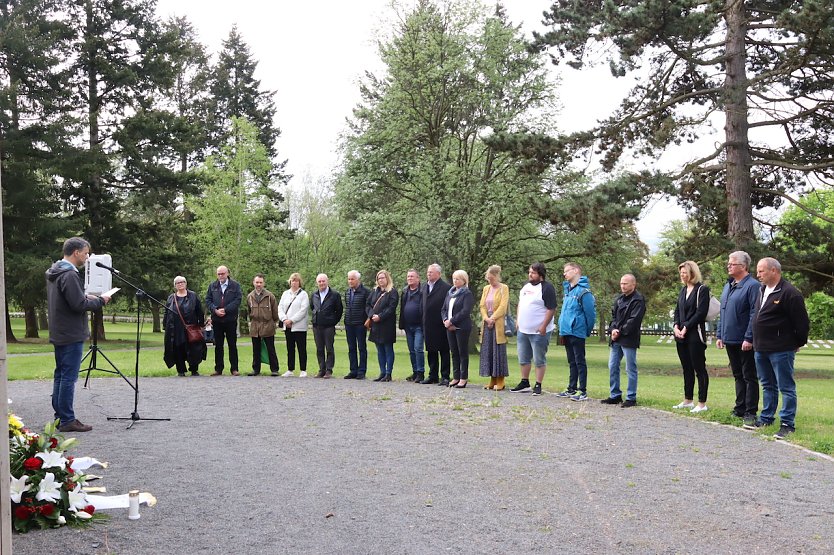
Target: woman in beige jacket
[495,301]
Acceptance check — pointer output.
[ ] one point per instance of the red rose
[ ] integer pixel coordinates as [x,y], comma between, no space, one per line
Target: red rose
[23,512]
[53,443]
[89,509]
[70,471]
[47,509]
[32,463]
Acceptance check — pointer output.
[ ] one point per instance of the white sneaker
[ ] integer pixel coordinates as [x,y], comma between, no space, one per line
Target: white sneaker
[287,374]
[700,409]
[302,375]
[684,406]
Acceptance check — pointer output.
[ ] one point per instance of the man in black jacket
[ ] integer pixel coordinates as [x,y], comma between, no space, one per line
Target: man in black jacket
[434,332]
[780,329]
[356,297]
[223,300]
[626,319]
[326,306]
[67,305]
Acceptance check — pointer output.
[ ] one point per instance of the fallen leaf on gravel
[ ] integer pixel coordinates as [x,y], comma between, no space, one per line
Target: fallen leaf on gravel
[328,515]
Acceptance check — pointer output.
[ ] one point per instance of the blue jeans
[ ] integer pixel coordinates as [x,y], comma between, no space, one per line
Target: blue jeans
[532,347]
[575,349]
[775,372]
[414,338]
[614,358]
[357,349]
[385,355]
[67,366]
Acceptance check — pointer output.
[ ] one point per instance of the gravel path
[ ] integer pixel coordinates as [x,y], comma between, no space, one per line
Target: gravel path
[290,465]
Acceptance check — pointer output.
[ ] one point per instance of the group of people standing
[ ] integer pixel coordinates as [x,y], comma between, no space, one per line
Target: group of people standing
[762,324]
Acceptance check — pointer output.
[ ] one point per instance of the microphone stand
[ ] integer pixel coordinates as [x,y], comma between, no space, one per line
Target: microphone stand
[140,294]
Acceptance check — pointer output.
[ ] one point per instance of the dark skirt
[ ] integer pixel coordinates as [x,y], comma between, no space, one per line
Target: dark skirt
[493,356]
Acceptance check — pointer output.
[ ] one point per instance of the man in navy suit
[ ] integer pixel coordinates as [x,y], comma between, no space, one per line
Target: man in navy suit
[327,308]
[223,302]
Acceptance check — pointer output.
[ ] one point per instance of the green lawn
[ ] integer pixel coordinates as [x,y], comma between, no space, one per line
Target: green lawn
[660,386]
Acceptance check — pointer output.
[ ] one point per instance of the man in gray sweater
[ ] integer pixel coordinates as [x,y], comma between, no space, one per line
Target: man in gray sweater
[68,328]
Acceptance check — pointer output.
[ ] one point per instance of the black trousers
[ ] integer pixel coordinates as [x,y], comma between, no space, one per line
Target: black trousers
[270,350]
[459,345]
[743,364]
[296,340]
[693,357]
[227,331]
[438,361]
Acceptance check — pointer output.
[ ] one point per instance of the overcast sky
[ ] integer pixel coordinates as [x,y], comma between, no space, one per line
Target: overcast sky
[312,54]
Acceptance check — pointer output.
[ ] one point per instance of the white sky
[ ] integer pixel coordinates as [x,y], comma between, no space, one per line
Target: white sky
[312,54]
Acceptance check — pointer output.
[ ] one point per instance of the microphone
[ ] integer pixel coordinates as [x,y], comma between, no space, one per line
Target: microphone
[108,268]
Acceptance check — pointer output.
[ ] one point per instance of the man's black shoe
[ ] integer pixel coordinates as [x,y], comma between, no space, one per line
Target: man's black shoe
[443,383]
[612,400]
[351,377]
[784,431]
[429,381]
[628,403]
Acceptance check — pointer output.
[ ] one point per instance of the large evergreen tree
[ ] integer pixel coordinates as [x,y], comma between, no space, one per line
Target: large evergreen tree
[767,65]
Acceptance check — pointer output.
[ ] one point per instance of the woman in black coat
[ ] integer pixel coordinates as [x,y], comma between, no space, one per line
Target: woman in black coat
[691,335]
[183,307]
[382,318]
[457,317]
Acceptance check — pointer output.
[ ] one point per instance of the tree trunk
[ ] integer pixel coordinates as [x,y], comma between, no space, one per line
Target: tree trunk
[737,150]
[10,338]
[157,324]
[30,316]
[43,320]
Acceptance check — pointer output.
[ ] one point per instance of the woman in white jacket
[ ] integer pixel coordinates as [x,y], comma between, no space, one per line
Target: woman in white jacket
[292,311]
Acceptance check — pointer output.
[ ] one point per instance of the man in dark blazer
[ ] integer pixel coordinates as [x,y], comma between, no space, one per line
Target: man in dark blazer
[327,308]
[223,302]
[434,332]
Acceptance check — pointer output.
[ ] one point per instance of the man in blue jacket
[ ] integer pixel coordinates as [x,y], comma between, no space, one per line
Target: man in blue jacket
[223,300]
[356,297]
[67,305]
[576,322]
[735,333]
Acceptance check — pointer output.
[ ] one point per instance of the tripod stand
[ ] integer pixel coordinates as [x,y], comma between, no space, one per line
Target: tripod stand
[95,350]
[140,294]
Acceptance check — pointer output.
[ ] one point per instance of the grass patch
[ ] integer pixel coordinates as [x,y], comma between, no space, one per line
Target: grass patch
[660,383]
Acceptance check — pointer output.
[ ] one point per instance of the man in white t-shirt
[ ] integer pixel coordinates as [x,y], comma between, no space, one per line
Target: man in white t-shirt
[534,321]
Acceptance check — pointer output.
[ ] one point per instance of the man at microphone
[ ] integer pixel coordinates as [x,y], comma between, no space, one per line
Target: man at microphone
[68,328]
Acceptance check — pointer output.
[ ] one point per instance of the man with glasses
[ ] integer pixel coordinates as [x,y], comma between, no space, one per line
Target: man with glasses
[223,300]
[67,305]
[734,333]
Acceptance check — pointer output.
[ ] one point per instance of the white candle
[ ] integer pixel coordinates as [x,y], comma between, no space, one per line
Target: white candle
[133,506]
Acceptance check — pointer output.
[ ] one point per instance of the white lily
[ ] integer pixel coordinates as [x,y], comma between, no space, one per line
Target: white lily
[49,489]
[52,459]
[61,520]
[83,515]
[77,499]
[18,487]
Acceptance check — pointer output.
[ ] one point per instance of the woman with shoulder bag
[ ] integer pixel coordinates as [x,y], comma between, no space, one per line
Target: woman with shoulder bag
[691,336]
[382,323]
[184,311]
[292,311]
